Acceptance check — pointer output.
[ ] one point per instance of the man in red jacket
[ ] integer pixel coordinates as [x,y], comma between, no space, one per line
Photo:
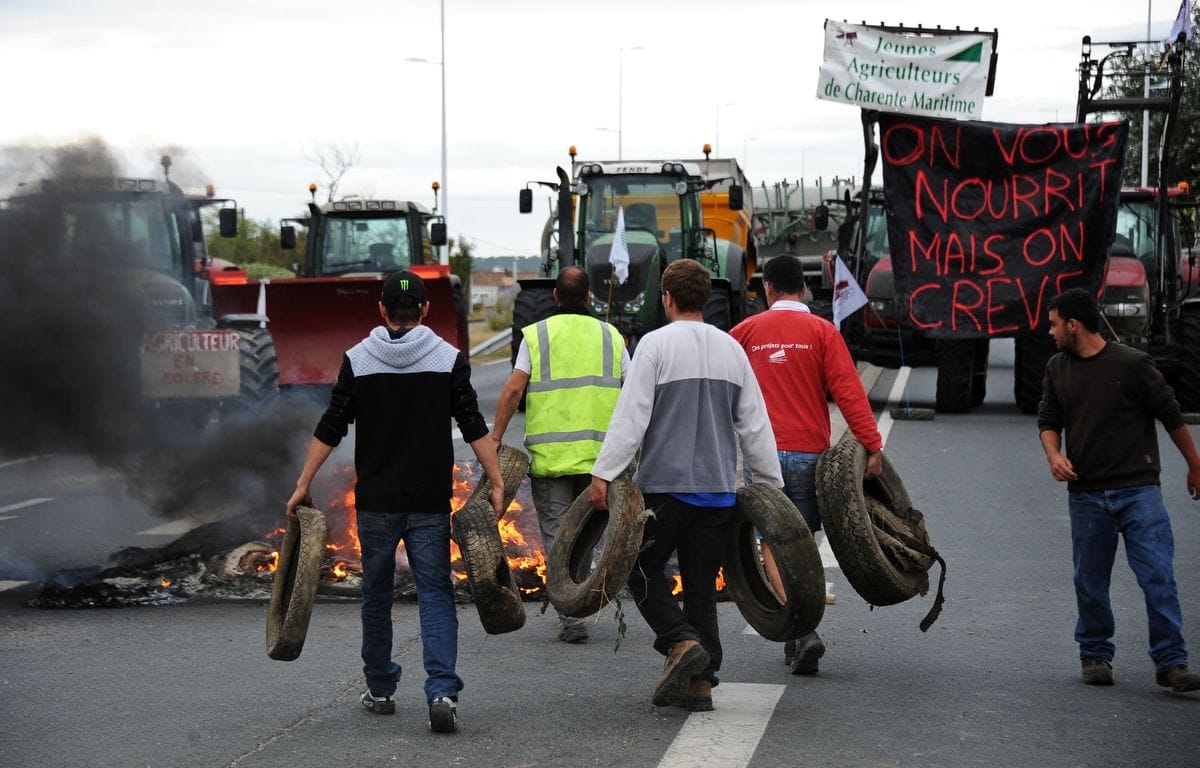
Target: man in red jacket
[797,358]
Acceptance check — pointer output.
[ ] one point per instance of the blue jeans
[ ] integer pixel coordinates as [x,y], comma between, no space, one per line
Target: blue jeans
[1137,513]
[800,484]
[427,540]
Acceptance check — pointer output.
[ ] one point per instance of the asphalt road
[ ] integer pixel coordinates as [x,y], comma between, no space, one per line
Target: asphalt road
[993,683]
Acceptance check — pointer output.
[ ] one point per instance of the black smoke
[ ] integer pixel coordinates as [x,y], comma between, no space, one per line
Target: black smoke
[69,371]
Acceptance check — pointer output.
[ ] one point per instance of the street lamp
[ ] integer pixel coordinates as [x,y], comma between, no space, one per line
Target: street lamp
[443,204]
[717,138]
[621,96]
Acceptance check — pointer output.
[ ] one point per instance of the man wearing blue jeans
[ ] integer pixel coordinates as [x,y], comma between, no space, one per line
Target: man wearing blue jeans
[1107,397]
[400,386]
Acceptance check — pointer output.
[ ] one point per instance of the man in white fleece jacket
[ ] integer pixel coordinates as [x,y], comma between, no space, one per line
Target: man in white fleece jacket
[689,391]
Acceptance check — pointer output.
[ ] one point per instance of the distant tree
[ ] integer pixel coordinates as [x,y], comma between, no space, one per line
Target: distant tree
[335,157]
[257,243]
[1184,163]
[462,261]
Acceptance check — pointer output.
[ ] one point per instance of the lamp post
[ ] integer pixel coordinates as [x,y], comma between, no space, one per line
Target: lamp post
[444,203]
[1146,112]
[621,97]
[717,138]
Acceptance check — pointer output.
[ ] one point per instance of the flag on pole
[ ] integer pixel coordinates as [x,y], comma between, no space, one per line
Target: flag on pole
[618,257]
[847,296]
[1183,24]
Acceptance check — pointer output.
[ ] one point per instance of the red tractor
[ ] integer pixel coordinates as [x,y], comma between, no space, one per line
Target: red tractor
[352,246]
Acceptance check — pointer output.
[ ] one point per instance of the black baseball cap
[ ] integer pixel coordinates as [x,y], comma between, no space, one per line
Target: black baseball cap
[403,289]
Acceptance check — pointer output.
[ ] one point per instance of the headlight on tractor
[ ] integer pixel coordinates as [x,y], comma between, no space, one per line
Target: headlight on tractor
[1125,302]
[635,304]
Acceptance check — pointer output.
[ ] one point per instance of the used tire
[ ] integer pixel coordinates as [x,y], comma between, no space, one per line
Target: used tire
[295,587]
[792,544]
[864,542]
[955,375]
[496,596]
[574,587]
[1188,389]
[514,464]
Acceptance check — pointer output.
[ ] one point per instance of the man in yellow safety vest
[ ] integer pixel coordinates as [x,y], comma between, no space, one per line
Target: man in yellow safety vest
[573,364]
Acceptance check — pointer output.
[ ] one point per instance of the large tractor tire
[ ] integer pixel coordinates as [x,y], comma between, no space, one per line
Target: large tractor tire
[259,369]
[1031,353]
[1188,389]
[496,595]
[880,541]
[783,529]
[979,375]
[295,587]
[955,375]
[576,588]
[718,310]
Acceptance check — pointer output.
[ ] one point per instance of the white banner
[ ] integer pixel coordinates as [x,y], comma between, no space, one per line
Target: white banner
[942,75]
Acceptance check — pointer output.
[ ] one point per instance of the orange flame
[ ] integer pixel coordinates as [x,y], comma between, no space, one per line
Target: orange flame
[163,581]
[339,570]
[677,582]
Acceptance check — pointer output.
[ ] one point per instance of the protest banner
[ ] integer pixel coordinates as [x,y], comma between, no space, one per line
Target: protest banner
[987,221]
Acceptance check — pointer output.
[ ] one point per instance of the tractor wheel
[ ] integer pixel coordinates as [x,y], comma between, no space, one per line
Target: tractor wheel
[259,371]
[768,510]
[532,304]
[1029,369]
[295,587]
[495,592]
[718,310]
[979,378]
[1188,389]
[574,587]
[872,527]
[955,375]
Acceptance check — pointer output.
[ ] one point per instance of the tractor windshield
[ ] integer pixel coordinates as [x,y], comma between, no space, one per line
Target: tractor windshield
[364,245]
[651,206]
[125,231]
[1136,224]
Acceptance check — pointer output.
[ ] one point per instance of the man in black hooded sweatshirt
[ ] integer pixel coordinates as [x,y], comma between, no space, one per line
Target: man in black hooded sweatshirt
[401,385]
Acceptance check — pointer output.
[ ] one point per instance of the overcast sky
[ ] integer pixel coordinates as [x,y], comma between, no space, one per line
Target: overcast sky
[247,87]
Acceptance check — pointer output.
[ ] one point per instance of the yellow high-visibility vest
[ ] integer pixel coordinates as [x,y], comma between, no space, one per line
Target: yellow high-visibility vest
[574,381]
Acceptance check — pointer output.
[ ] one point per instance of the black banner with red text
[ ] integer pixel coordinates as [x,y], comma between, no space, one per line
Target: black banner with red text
[989,221]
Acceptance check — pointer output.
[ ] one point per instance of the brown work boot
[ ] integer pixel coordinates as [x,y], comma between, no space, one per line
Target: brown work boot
[684,659]
[1178,679]
[1099,672]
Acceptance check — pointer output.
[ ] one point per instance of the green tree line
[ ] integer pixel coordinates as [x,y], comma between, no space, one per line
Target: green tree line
[1184,162]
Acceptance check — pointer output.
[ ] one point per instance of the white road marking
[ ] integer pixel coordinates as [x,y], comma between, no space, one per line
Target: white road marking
[827,558]
[173,528]
[2,518]
[885,418]
[728,736]
[7,585]
[23,505]
[24,460]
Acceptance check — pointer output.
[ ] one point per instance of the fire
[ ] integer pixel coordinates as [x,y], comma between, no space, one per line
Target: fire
[339,570]
[677,582]
[163,581]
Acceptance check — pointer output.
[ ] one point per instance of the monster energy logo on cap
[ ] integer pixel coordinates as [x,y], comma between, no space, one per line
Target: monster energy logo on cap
[403,289]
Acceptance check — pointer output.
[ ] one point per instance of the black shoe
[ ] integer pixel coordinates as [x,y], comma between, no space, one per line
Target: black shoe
[808,649]
[1178,679]
[380,705]
[1099,672]
[789,652]
[443,715]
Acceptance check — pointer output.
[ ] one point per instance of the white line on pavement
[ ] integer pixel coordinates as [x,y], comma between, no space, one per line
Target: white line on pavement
[14,462]
[885,419]
[728,736]
[7,585]
[23,505]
